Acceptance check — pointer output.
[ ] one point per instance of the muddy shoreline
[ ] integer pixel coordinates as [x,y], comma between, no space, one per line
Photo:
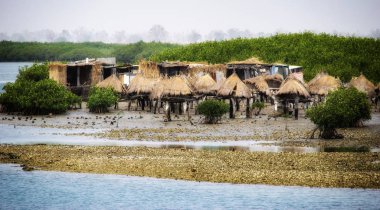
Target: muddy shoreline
[350,170]
[319,169]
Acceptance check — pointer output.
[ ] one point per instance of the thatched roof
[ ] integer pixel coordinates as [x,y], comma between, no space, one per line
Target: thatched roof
[322,83]
[234,87]
[141,85]
[172,87]
[195,68]
[253,60]
[204,85]
[292,87]
[363,84]
[113,82]
[274,77]
[259,83]
[149,69]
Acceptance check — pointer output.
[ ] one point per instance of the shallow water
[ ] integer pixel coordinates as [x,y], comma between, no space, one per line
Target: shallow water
[9,71]
[59,190]
[26,135]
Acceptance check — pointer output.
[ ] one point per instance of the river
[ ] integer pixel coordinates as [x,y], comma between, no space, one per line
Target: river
[61,190]
[9,71]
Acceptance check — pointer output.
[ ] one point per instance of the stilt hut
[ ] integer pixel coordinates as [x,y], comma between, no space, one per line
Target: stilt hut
[204,85]
[364,85]
[234,89]
[175,92]
[259,86]
[292,90]
[322,84]
[140,89]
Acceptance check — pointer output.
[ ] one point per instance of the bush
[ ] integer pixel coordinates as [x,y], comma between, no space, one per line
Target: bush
[213,110]
[258,106]
[34,93]
[34,73]
[343,108]
[100,99]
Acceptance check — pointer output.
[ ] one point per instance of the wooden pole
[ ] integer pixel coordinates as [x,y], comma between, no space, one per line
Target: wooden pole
[232,108]
[78,76]
[167,111]
[248,108]
[296,108]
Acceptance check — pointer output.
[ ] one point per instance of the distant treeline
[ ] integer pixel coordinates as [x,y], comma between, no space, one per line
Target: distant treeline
[339,56]
[67,51]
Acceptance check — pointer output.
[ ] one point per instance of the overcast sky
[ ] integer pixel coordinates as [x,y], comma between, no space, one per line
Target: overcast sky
[179,18]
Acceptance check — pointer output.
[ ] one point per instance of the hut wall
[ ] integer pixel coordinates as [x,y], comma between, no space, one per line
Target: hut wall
[96,74]
[58,73]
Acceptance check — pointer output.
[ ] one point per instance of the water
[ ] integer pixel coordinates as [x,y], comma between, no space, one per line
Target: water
[27,135]
[9,71]
[59,190]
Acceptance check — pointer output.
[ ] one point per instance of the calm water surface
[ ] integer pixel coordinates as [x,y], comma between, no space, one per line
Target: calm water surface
[9,71]
[59,190]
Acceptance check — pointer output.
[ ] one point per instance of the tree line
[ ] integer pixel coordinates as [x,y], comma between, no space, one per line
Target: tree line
[340,56]
[68,51]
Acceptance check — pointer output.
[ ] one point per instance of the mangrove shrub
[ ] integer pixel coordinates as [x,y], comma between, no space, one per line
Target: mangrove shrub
[258,106]
[213,110]
[100,99]
[34,93]
[343,108]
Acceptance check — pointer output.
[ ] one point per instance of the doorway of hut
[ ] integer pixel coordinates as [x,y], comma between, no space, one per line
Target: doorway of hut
[78,75]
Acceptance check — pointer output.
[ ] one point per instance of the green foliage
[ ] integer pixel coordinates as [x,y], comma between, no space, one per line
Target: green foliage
[100,99]
[343,57]
[213,110]
[67,51]
[343,108]
[258,106]
[34,73]
[34,93]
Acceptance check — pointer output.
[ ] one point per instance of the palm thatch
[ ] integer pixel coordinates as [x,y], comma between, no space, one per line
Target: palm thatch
[363,84]
[112,82]
[141,85]
[149,69]
[322,83]
[252,60]
[234,87]
[258,83]
[173,87]
[204,85]
[274,77]
[195,68]
[292,87]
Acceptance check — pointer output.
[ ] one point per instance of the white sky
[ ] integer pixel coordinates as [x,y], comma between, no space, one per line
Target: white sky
[203,16]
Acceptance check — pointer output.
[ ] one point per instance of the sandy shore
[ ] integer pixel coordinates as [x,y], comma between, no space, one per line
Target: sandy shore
[353,170]
[356,170]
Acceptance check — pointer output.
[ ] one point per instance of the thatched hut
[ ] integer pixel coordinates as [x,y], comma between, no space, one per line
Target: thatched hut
[363,84]
[258,84]
[204,85]
[233,88]
[176,92]
[254,67]
[78,76]
[140,89]
[292,90]
[322,84]
[114,83]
